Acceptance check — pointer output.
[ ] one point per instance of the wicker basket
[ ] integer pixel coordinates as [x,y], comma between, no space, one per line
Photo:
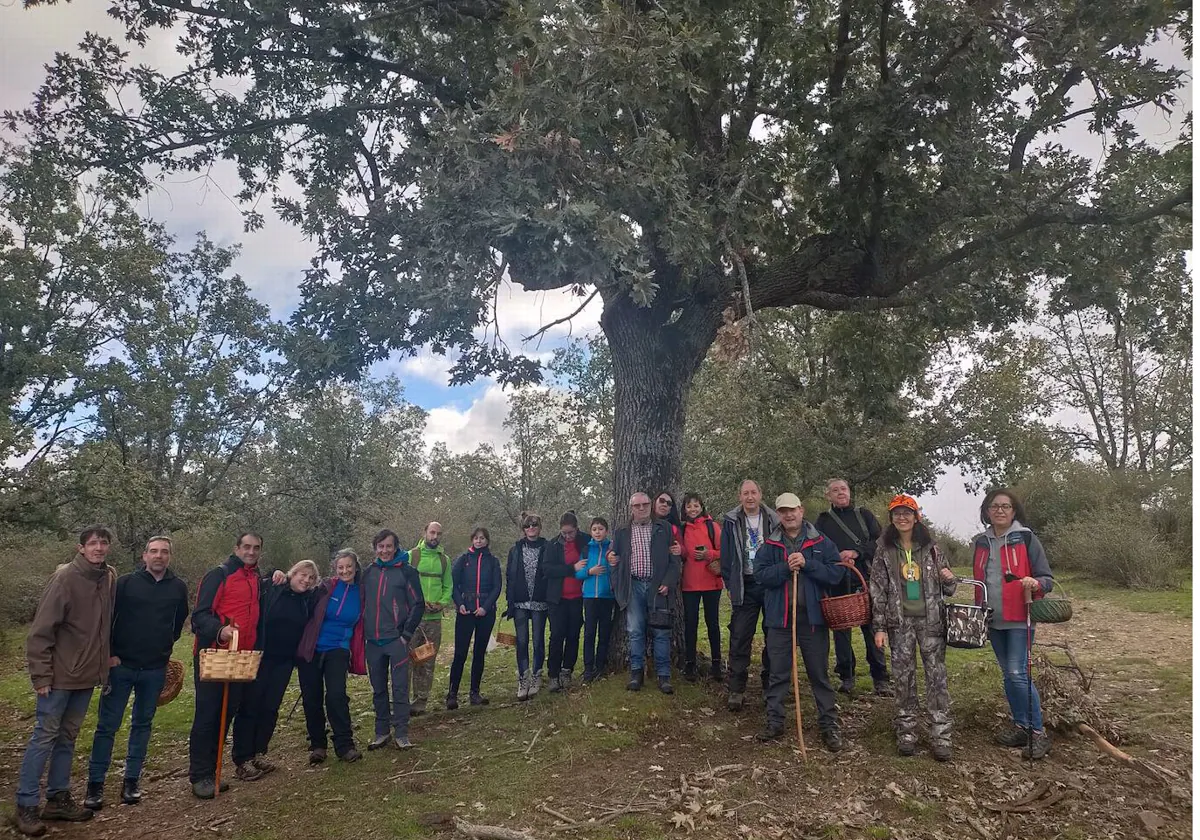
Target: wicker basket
[173,684]
[1054,610]
[232,665]
[424,652]
[845,611]
[506,639]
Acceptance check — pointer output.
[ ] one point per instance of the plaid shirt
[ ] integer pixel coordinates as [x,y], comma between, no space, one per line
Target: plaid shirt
[639,540]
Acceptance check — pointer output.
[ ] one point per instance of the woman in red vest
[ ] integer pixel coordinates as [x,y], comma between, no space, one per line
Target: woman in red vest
[1011,561]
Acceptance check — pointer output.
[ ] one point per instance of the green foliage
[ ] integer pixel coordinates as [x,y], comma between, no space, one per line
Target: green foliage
[1108,545]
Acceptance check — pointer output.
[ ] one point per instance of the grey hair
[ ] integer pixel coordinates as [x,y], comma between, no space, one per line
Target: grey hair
[829,482]
[160,538]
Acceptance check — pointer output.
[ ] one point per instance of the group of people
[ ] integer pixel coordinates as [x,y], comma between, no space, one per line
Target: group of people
[93,628]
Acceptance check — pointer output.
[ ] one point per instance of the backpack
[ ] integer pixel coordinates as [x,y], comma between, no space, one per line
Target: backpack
[712,534]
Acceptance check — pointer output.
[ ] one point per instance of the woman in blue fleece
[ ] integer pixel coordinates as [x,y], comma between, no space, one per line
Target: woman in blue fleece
[598,603]
[476,576]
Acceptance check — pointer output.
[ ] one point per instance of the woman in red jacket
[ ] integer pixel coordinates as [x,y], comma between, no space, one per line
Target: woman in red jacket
[702,583]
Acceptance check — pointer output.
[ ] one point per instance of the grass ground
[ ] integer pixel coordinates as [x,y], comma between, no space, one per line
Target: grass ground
[601,749]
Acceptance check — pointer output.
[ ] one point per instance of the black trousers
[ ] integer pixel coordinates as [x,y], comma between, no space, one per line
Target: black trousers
[597,630]
[566,621]
[843,651]
[711,601]
[256,719]
[205,739]
[323,688]
[743,624]
[466,627]
[813,643]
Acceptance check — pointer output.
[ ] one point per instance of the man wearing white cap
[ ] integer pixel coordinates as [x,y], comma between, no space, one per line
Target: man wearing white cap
[798,547]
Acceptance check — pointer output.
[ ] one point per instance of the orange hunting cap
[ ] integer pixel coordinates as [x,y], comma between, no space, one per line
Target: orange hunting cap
[902,500]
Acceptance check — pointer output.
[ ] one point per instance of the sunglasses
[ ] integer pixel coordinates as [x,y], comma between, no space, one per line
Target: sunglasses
[533,524]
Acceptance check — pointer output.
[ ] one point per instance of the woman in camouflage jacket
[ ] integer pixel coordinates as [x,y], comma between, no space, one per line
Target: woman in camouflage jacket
[909,582]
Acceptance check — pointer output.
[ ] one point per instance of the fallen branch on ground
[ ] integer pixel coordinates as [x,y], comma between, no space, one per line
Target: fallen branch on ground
[1144,766]
[489,832]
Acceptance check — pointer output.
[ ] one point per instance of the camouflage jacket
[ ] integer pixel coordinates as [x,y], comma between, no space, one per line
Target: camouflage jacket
[885,585]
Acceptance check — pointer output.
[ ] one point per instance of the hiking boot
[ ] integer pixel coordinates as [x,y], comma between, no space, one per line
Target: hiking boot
[401,742]
[131,792]
[478,699]
[415,712]
[555,684]
[689,672]
[247,772]
[382,741]
[28,821]
[535,685]
[588,677]
[318,756]
[1013,737]
[664,685]
[62,807]
[523,686]
[635,681]
[832,740]
[906,747]
[773,732]
[564,680]
[1038,748]
[847,686]
[941,752]
[883,688]
[350,756]
[736,701]
[94,798]
[451,702]
[717,672]
[264,764]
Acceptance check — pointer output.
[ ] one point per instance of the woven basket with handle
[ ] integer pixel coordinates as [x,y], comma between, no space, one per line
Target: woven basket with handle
[232,665]
[173,684]
[506,639]
[423,652]
[1053,609]
[845,611]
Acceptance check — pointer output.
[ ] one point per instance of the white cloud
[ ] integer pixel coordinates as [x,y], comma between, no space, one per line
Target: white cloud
[427,366]
[463,431]
[521,313]
[950,506]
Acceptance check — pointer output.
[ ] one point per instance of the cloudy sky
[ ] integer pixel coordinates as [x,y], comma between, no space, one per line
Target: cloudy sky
[274,258]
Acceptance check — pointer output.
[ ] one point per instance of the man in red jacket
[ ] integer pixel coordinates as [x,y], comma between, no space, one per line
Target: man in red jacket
[228,598]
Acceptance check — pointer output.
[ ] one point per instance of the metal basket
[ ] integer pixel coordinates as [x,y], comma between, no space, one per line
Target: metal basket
[232,665]
[845,611]
[173,684]
[967,624]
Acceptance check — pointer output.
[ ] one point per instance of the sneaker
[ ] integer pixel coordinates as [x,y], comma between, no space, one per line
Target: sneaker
[906,748]
[1038,748]
[772,732]
[451,702]
[523,686]
[535,684]
[941,752]
[847,686]
[736,701]
[689,672]
[350,756]
[883,688]
[401,742]
[635,681]
[131,792]
[1013,737]
[94,798]
[247,772]
[832,740]
[379,743]
[264,764]
[29,821]
[478,699]
[62,807]
[664,685]
[318,756]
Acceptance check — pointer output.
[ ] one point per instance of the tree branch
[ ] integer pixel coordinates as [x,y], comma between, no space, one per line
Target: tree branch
[564,320]
[1016,157]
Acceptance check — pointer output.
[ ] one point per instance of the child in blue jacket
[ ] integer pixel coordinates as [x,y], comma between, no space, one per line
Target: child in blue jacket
[598,603]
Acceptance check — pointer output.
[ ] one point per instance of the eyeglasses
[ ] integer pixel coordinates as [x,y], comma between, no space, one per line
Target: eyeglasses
[533,524]
[902,513]
[640,504]
[1000,507]
[664,501]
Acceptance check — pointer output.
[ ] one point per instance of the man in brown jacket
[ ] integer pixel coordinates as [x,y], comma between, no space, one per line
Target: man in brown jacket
[68,656]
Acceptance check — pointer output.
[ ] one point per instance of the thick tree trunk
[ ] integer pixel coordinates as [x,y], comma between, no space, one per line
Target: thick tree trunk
[655,357]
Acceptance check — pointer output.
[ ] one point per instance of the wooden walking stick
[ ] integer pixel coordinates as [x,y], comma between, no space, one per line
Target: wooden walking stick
[221,736]
[795,671]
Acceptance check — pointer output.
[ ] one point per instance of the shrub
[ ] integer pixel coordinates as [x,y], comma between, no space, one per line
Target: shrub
[1110,546]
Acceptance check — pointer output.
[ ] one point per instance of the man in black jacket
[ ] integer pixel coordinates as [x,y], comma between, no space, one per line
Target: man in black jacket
[149,609]
[645,574]
[854,530]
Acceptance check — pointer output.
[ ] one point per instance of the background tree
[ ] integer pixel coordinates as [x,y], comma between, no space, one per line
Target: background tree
[677,160]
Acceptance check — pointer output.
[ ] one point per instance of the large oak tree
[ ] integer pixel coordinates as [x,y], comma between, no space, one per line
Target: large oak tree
[675,158]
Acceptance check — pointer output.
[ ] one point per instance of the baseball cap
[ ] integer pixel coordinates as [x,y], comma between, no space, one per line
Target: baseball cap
[788,500]
[902,500]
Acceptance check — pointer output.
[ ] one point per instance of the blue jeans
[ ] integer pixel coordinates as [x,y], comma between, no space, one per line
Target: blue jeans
[530,624]
[635,627]
[1009,646]
[59,716]
[145,684]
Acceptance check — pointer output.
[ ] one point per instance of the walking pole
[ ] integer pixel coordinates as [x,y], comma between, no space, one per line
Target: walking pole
[1029,672]
[795,672]
[295,705]
[221,736]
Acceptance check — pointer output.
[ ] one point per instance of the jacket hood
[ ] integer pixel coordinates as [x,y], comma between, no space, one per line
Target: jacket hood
[90,570]
[987,534]
[399,560]
[807,530]
[769,514]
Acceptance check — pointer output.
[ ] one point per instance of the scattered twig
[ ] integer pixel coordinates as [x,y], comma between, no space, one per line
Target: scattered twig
[489,832]
[534,740]
[558,815]
[1143,766]
[979,829]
